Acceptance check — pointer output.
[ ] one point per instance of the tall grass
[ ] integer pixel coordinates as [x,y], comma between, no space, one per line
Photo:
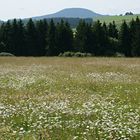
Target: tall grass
[69,98]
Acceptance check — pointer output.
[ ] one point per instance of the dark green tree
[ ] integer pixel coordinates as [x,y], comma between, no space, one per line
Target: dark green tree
[105,28]
[64,37]
[51,47]
[84,38]
[31,39]
[112,30]
[136,38]
[21,49]
[6,36]
[125,40]
[15,38]
[101,39]
[79,37]
[2,47]
[42,32]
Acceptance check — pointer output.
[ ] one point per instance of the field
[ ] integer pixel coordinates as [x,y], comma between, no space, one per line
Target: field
[118,19]
[69,98]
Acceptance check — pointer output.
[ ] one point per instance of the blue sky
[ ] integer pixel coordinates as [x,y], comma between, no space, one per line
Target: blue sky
[28,8]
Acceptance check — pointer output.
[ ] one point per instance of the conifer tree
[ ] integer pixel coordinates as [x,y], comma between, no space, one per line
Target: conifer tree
[105,28]
[125,40]
[15,37]
[2,47]
[101,39]
[112,31]
[136,38]
[51,48]
[64,37]
[111,38]
[42,32]
[21,50]
[5,36]
[31,39]
[84,38]
[80,37]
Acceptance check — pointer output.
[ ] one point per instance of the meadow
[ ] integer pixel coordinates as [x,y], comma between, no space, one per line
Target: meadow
[118,19]
[69,98]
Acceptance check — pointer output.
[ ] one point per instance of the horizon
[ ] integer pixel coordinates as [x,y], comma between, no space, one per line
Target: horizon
[27,9]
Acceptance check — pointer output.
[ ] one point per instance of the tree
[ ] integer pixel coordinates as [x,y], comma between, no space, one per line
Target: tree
[105,28]
[6,36]
[51,48]
[125,40]
[15,38]
[2,47]
[31,39]
[64,37]
[136,38]
[128,13]
[112,30]
[42,32]
[21,50]
[84,38]
[101,39]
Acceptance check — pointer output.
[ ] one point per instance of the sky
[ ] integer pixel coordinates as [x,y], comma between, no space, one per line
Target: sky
[10,9]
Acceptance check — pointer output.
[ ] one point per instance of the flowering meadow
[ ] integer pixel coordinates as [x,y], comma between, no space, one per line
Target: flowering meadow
[69,98]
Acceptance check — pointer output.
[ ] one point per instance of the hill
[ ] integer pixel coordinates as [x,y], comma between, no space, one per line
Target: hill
[71,13]
[117,19]
[1,21]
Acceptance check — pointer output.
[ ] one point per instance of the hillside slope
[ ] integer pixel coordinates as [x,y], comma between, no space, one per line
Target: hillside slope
[71,13]
[117,19]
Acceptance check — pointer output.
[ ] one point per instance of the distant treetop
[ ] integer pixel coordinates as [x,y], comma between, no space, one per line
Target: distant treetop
[129,13]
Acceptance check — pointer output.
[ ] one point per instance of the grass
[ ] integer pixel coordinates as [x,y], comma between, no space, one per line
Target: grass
[117,19]
[69,98]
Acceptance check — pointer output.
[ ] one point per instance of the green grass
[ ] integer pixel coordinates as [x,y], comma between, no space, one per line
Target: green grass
[69,98]
[117,19]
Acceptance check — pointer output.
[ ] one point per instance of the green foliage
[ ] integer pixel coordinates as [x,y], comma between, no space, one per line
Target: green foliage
[79,54]
[51,48]
[119,54]
[31,39]
[42,33]
[112,30]
[101,39]
[84,38]
[67,54]
[136,38]
[64,37]
[2,47]
[112,47]
[125,40]
[75,54]
[6,54]
[50,39]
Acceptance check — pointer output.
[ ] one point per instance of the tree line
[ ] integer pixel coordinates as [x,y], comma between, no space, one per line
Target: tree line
[42,38]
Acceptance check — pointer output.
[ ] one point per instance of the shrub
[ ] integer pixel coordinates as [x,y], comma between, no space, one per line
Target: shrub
[6,54]
[75,54]
[68,54]
[119,54]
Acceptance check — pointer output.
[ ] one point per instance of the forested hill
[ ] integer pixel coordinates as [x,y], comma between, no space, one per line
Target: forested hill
[71,13]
